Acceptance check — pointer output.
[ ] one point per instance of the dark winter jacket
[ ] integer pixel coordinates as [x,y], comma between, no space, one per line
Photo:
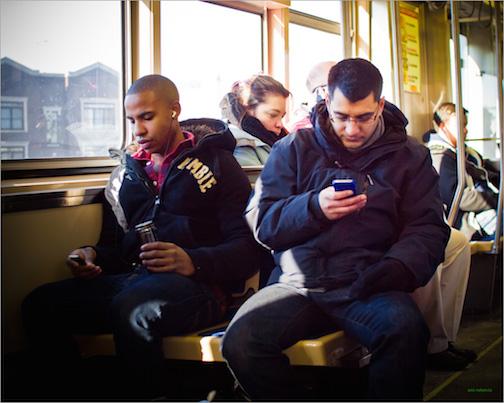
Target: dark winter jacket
[402,220]
[477,195]
[199,208]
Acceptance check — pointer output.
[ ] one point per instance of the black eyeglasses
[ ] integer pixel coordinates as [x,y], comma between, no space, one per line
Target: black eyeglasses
[361,120]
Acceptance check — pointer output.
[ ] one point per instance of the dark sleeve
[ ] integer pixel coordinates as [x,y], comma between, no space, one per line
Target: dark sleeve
[280,216]
[237,257]
[492,168]
[474,198]
[108,252]
[424,234]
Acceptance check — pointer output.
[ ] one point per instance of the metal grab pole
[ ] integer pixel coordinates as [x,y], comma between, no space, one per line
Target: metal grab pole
[498,55]
[458,102]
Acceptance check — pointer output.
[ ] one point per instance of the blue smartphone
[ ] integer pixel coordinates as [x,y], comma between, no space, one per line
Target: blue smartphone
[344,184]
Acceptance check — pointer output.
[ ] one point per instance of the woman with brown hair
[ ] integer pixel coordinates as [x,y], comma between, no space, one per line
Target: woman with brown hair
[254,109]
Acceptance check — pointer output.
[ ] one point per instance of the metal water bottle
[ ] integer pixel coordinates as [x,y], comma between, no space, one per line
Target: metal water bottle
[146,232]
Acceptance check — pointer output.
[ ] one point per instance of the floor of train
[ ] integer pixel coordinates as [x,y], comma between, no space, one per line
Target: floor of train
[481,381]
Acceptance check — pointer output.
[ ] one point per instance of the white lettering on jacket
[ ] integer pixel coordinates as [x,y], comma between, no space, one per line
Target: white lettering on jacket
[200,172]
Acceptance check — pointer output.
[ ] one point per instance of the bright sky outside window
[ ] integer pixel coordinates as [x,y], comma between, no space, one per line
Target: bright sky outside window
[302,58]
[329,10]
[220,45]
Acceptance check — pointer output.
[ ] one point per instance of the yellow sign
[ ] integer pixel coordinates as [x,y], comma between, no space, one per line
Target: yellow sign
[410,46]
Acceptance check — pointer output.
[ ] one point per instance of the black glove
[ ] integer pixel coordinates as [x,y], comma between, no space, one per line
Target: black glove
[387,275]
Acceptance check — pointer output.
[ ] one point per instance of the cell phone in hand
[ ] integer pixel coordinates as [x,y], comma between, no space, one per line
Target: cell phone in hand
[344,184]
[76,258]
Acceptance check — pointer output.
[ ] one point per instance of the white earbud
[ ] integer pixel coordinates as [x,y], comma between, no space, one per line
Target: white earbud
[173,114]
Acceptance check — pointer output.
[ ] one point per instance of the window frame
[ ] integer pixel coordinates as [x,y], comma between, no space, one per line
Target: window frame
[43,167]
[318,23]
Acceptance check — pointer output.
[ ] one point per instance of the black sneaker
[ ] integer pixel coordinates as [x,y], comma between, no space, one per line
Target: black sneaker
[469,355]
[447,361]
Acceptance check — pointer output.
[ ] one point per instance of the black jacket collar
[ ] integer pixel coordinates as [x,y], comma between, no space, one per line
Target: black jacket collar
[254,127]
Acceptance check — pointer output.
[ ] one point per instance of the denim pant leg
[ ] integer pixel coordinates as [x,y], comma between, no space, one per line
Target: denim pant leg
[157,305]
[275,318]
[53,312]
[392,327]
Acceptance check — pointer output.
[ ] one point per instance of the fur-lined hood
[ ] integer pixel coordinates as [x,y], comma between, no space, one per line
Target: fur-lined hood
[213,132]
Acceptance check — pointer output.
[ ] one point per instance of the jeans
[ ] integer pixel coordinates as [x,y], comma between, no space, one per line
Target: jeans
[388,324]
[139,308]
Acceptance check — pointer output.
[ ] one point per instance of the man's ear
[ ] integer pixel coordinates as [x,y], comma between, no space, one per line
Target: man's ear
[327,100]
[176,109]
[381,104]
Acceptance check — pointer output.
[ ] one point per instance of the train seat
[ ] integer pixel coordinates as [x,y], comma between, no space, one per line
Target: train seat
[481,246]
[334,349]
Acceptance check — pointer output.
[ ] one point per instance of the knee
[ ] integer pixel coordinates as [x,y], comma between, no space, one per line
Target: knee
[130,317]
[233,342]
[37,304]
[405,324]
[238,343]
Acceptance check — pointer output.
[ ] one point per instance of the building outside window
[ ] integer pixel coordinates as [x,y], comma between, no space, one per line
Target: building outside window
[54,54]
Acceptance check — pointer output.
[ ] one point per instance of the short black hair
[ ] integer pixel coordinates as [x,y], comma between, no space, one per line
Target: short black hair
[162,85]
[356,79]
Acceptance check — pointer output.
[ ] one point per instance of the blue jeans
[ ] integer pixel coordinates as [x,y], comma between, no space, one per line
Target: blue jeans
[139,308]
[388,324]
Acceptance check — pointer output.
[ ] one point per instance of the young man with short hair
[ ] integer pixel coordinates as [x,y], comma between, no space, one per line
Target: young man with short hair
[184,185]
[349,259]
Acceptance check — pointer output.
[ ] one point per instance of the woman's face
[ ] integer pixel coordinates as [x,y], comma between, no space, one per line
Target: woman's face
[271,112]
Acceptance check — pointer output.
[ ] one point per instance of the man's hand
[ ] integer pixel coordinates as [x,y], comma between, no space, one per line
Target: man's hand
[336,205]
[88,270]
[387,275]
[165,256]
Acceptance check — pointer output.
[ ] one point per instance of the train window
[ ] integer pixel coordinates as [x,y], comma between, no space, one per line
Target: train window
[381,49]
[329,10]
[61,68]
[329,46]
[205,48]
[479,94]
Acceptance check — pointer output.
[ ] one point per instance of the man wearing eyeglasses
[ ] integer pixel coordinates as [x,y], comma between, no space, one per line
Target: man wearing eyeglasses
[441,306]
[348,258]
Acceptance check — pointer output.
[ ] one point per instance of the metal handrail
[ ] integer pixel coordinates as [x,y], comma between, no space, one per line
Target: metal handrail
[498,55]
[458,108]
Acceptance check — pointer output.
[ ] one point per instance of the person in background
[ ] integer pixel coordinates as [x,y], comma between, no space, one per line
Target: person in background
[316,83]
[476,216]
[254,109]
[441,302]
[348,258]
[173,247]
